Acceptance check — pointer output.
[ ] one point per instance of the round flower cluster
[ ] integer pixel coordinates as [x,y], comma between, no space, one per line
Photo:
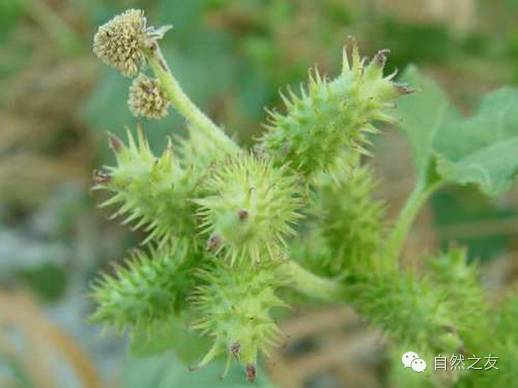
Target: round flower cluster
[147,98]
[118,43]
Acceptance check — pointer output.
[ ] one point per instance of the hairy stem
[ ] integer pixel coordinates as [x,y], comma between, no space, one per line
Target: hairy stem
[310,284]
[178,98]
[417,198]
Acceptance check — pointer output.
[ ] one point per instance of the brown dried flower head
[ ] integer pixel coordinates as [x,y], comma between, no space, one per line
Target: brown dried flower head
[147,98]
[119,42]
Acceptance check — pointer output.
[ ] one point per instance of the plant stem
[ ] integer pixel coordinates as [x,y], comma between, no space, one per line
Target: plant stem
[420,194]
[195,117]
[310,284]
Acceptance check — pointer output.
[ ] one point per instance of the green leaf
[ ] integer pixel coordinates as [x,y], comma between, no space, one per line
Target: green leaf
[481,149]
[422,114]
[163,336]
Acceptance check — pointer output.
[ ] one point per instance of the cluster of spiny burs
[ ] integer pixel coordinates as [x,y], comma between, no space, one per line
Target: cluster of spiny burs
[227,228]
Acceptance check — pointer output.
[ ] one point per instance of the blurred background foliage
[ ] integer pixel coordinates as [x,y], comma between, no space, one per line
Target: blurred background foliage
[57,102]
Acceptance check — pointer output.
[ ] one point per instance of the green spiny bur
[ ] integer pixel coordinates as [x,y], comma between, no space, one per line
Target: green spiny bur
[234,308]
[250,209]
[351,228]
[152,192]
[466,300]
[407,307]
[502,342]
[331,116]
[150,287]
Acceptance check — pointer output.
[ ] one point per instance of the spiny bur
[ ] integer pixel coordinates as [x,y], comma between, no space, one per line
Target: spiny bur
[332,116]
[502,342]
[151,286]
[234,308]
[352,228]
[250,209]
[468,305]
[152,192]
[407,306]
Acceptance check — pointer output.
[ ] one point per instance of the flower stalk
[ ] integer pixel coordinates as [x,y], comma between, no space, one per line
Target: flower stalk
[183,104]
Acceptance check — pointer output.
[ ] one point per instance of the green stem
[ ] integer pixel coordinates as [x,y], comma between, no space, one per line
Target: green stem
[420,194]
[310,284]
[195,117]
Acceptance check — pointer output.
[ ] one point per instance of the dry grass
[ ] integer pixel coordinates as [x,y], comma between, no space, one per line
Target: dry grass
[37,347]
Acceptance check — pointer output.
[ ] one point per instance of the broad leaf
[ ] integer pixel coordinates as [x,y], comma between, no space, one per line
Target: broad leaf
[481,149]
[422,114]
[163,336]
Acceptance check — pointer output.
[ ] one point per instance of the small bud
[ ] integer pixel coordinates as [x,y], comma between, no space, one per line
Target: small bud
[214,243]
[250,373]
[147,98]
[235,348]
[115,143]
[119,42]
[242,214]
[101,177]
